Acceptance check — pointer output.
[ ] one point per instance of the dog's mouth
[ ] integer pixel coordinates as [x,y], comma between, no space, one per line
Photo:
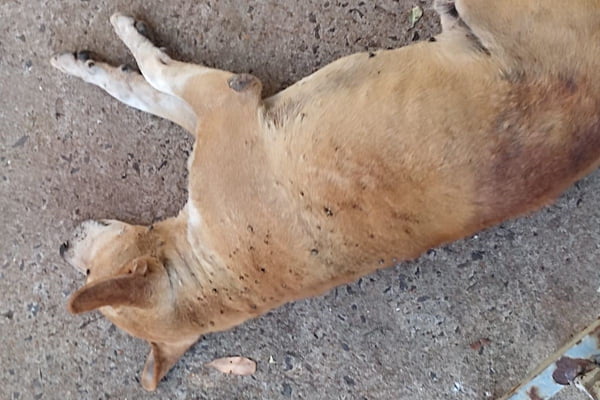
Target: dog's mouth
[65,251]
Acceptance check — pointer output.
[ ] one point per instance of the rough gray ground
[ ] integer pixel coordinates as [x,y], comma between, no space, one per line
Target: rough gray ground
[69,152]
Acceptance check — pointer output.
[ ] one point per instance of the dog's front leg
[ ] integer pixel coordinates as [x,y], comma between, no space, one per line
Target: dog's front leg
[160,360]
[204,89]
[128,86]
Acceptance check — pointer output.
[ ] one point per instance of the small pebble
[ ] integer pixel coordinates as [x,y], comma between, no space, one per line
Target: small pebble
[287,390]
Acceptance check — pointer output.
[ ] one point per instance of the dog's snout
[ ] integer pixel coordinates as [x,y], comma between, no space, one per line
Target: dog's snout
[63,248]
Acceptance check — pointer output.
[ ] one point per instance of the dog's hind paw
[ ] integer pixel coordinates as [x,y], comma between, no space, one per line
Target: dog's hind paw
[83,65]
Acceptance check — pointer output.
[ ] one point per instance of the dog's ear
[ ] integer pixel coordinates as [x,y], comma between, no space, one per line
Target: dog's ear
[160,360]
[134,288]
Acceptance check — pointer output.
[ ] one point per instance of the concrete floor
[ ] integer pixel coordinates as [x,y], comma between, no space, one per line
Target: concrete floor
[69,152]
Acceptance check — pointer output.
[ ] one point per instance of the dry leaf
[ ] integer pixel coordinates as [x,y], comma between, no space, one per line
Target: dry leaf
[234,365]
[416,13]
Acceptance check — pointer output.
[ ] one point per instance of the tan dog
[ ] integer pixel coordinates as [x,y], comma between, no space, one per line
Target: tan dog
[367,162]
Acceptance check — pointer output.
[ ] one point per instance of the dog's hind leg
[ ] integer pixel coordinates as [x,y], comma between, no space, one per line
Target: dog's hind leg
[449,17]
[199,86]
[454,27]
[128,86]
[532,36]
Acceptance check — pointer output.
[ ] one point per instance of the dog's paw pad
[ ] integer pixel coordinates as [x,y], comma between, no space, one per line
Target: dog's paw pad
[83,55]
[142,29]
[127,68]
[78,63]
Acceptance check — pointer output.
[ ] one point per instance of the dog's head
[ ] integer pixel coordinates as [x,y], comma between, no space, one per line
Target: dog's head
[128,282]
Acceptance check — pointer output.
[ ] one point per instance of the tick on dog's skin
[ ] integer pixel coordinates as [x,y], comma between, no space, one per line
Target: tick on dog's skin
[391,155]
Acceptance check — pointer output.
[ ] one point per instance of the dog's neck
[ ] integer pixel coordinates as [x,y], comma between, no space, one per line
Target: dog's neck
[207,297]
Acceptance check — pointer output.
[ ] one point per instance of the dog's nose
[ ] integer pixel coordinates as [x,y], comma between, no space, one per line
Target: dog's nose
[63,248]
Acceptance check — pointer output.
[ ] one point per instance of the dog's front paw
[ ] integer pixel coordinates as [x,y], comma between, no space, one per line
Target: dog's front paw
[126,25]
[123,24]
[79,64]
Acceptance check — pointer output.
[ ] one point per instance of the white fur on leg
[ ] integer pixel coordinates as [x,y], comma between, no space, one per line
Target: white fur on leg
[160,70]
[129,87]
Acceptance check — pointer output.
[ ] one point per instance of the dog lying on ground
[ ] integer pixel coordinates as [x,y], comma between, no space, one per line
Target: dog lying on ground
[369,161]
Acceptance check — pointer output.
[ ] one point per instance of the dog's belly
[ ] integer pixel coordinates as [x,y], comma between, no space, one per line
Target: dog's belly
[375,159]
[416,147]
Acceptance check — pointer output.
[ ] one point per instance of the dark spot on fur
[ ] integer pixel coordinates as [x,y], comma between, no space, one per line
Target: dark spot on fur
[371,54]
[243,82]
[541,146]
[570,84]
[263,270]
[314,252]
[283,112]
[405,217]
[250,229]
[328,211]
[87,271]
[215,290]
[212,323]
[432,39]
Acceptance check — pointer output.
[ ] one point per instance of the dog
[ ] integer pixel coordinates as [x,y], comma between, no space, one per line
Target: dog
[368,162]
